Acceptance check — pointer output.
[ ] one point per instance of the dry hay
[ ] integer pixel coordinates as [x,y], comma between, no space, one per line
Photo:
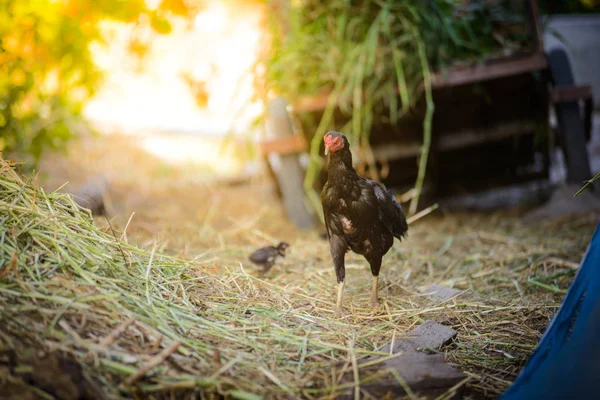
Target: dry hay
[67,287]
[176,205]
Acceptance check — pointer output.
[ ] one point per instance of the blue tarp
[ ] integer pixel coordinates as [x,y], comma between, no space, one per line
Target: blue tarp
[566,362]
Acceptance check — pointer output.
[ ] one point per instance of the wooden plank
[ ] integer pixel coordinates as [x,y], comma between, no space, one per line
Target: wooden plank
[472,137]
[287,145]
[456,140]
[492,70]
[311,103]
[534,21]
[566,94]
[453,77]
[396,151]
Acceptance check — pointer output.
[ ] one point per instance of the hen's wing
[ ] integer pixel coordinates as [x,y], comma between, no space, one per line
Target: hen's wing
[349,209]
[390,212]
[325,202]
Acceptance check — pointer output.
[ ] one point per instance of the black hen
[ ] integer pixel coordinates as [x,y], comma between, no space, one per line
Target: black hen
[360,215]
[268,256]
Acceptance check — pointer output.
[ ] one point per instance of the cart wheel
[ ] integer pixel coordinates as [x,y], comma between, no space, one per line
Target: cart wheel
[570,121]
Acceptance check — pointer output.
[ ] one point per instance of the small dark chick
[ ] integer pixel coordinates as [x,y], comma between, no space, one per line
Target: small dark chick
[268,256]
[360,215]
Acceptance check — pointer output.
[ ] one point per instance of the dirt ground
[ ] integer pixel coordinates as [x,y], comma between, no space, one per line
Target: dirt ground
[495,256]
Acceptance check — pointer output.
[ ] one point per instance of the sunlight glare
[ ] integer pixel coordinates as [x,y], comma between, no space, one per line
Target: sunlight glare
[213,19]
[217,52]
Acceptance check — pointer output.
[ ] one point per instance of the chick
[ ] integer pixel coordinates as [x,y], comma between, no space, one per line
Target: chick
[268,256]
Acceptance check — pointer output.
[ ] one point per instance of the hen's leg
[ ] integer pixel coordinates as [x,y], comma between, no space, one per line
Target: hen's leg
[338,252]
[338,304]
[375,264]
[374,298]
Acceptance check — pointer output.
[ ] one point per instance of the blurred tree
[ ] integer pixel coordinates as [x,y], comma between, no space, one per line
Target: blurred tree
[46,68]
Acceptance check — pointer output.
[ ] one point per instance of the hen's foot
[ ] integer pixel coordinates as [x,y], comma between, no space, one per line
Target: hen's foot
[338,313]
[375,302]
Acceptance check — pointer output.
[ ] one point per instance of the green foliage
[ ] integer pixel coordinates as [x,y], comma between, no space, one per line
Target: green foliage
[379,38]
[46,68]
[374,57]
[587,183]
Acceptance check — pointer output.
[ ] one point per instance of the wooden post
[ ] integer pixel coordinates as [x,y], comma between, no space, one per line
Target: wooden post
[290,174]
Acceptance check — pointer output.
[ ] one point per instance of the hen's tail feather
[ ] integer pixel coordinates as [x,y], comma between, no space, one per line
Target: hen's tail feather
[400,226]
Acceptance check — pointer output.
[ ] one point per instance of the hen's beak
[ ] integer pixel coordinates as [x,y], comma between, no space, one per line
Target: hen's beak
[326,150]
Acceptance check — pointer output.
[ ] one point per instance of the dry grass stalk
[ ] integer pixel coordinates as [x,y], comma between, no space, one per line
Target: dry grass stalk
[153,362]
[118,331]
[276,333]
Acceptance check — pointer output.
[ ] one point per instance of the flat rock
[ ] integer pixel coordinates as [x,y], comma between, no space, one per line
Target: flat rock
[426,374]
[428,335]
[441,293]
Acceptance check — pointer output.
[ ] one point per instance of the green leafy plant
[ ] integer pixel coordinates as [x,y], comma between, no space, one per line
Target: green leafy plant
[46,67]
[375,58]
[587,183]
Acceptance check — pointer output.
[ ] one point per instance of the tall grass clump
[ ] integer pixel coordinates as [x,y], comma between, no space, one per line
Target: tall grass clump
[375,59]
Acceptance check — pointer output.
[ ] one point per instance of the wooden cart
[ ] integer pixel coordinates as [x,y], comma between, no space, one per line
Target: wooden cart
[490,127]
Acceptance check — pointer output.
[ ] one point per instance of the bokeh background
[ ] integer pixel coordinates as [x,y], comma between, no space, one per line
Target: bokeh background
[192,130]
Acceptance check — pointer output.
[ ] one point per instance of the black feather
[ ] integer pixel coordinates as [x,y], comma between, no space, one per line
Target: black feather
[360,214]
